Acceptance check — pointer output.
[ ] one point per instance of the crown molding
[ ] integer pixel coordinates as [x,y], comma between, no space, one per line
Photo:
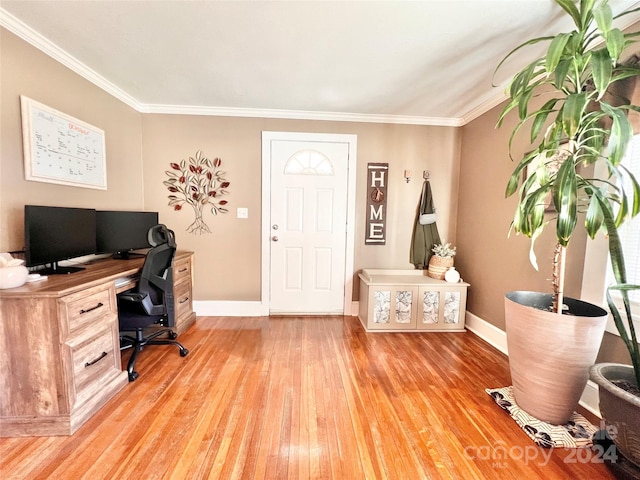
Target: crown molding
[300,115]
[483,107]
[29,35]
[32,37]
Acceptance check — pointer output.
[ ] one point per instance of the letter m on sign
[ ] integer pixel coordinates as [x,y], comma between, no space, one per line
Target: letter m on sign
[377,180]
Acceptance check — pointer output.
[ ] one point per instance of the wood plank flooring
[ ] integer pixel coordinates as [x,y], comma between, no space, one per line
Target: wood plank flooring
[303,398]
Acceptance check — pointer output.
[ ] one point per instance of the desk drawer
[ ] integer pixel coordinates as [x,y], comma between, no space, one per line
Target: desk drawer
[88,307]
[182,302]
[181,270]
[93,358]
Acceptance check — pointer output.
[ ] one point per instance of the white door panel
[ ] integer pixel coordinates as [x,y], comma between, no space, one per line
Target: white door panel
[308,226]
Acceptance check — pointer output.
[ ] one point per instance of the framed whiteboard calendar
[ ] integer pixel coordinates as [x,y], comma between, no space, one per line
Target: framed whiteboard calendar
[61,149]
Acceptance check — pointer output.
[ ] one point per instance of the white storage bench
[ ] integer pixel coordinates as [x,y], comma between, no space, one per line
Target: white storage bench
[410,301]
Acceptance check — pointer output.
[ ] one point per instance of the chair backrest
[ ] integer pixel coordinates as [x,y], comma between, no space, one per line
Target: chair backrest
[156,276]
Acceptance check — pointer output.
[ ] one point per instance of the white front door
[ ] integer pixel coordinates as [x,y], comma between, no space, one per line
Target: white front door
[307,225]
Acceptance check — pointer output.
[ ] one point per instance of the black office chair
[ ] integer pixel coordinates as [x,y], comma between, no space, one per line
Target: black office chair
[151,302]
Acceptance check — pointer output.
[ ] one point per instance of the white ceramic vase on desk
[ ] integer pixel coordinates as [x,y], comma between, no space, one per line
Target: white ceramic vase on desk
[11,277]
[12,271]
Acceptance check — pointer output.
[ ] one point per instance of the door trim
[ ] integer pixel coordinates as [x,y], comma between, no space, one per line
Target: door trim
[352,141]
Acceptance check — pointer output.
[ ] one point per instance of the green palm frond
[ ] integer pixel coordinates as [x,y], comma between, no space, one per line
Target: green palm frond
[583,116]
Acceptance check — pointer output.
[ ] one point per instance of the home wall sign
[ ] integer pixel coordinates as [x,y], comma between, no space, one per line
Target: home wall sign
[61,149]
[376,213]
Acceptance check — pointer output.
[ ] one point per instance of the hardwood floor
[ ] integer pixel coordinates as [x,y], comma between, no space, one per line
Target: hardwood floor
[301,398]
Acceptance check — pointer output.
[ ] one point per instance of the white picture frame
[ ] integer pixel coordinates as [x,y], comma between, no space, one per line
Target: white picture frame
[59,148]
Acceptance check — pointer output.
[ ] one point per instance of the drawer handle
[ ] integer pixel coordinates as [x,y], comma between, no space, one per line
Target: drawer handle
[100,304]
[183,301]
[183,270]
[88,364]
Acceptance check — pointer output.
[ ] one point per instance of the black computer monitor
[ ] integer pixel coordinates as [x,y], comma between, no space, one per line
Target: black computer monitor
[53,234]
[119,232]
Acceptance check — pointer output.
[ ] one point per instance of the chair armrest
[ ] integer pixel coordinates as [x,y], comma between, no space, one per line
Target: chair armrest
[132,297]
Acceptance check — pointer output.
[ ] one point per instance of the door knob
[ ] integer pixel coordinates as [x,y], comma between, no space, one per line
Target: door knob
[275,227]
[274,238]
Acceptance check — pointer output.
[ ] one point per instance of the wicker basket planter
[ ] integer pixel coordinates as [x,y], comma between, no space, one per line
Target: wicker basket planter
[438,266]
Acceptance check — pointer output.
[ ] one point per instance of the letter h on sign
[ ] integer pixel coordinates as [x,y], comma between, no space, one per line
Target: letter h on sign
[377,179]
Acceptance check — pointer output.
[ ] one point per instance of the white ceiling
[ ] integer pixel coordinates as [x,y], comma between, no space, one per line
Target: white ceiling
[423,62]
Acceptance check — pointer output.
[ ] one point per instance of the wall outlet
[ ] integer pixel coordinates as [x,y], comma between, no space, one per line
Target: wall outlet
[243,212]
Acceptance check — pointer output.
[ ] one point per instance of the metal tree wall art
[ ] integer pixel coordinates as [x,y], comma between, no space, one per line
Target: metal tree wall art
[198,183]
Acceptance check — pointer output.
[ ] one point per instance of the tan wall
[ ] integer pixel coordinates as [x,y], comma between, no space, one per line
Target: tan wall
[228,259]
[27,71]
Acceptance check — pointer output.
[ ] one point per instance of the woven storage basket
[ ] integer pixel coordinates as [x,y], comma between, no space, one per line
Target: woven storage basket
[438,266]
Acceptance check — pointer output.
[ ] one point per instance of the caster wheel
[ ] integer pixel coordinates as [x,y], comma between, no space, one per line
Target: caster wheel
[184,352]
[173,335]
[133,376]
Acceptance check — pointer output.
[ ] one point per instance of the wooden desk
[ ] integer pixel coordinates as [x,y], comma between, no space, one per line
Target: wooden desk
[60,347]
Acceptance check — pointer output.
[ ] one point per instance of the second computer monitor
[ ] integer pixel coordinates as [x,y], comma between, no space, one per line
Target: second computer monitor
[119,232]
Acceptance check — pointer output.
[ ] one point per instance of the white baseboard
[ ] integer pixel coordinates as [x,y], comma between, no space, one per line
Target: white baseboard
[498,339]
[215,308]
[487,331]
[590,399]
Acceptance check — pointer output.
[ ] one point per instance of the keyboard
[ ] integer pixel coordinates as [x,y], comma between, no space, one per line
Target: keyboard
[122,281]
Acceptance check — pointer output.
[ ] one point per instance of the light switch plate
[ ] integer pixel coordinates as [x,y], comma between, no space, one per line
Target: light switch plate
[243,212]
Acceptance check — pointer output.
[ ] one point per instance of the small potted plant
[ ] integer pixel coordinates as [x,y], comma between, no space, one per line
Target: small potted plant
[441,260]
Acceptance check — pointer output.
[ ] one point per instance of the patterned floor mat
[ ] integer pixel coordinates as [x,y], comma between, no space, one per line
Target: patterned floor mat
[577,433]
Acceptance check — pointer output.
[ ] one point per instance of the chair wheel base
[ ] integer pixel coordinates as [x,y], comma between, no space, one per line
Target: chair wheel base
[133,376]
[184,352]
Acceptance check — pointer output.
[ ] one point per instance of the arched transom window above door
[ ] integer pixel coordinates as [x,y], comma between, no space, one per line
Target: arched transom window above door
[308,162]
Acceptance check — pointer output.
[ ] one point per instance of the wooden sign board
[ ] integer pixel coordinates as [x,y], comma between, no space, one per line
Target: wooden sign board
[376,213]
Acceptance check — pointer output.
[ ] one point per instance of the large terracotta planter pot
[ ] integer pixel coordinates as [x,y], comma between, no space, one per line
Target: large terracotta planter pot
[619,408]
[550,354]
